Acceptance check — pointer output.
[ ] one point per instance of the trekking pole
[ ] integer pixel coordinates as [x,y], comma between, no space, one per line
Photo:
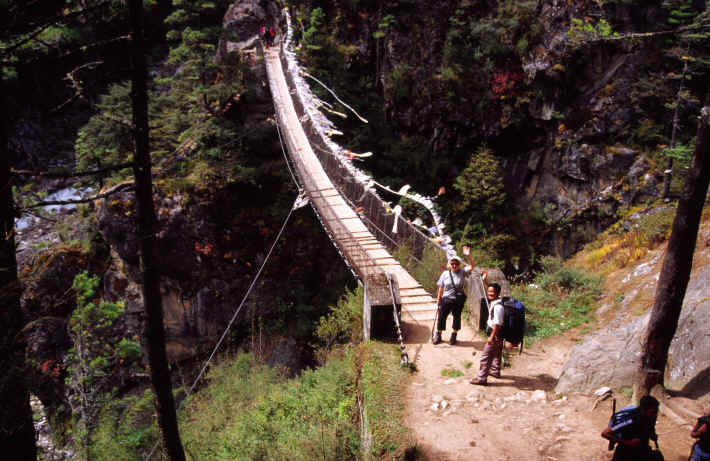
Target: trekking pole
[436,317]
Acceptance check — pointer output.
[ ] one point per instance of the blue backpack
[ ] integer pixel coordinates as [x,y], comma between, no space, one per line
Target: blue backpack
[621,421]
[513,321]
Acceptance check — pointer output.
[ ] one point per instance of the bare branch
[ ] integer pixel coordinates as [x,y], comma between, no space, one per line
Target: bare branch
[117,119]
[108,193]
[76,84]
[69,174]
[9,49]
[633,35]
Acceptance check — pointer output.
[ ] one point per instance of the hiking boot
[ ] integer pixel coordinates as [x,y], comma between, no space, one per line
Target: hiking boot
[496,375]
[452,339]
[478,382]
[437,338]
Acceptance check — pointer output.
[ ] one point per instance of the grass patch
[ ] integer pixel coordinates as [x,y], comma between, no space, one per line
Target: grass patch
[451,372]
[381,382]
[640,230]
[561,298]
[127,429]
[253,412]
[248,411]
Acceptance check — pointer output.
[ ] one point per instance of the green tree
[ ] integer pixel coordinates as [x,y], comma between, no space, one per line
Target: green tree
[188,104]
[106,138]
[93,356]
[481,188]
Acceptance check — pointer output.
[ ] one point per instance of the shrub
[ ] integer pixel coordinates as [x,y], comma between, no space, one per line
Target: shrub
[344,322]
[380,385]
[127,429]
[561,298]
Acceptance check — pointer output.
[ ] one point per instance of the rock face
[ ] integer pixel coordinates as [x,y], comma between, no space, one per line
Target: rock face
[212,244]
[610,356]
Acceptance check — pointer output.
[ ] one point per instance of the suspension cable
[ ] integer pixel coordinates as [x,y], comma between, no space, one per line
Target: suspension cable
[234,317]
[403,356]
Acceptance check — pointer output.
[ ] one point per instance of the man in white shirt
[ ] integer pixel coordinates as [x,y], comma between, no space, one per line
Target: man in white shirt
[493,350]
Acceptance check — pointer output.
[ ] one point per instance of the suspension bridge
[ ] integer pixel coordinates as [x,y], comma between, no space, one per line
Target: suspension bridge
[356,220]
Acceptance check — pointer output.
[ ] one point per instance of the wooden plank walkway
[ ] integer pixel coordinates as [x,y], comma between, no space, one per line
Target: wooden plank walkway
[417,305]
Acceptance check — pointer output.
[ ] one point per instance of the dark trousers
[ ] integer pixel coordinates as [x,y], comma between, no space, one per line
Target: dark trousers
[449,306]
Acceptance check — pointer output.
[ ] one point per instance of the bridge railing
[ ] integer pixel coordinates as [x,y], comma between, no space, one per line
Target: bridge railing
[371,207]
[350,248]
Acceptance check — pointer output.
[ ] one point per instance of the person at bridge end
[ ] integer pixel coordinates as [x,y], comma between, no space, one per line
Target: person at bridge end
[450,298]
[492,354]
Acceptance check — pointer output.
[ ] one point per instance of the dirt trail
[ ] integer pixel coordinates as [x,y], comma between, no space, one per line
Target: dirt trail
[510,419]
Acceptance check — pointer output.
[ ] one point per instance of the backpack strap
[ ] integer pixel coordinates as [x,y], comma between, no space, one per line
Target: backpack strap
[456,289]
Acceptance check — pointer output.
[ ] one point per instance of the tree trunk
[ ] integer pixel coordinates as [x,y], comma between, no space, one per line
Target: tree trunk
[154,332]
[17,434]
[677,263]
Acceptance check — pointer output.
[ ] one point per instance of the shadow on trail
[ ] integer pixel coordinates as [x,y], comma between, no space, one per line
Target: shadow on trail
[697,387]
[416,333]
[543,382]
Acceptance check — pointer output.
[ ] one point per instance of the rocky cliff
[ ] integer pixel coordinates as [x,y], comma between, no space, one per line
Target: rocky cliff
[610,356]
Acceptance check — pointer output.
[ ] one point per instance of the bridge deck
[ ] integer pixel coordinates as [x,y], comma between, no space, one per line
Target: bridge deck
[417,305]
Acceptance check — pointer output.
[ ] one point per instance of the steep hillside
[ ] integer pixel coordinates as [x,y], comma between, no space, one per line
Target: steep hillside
[578,120]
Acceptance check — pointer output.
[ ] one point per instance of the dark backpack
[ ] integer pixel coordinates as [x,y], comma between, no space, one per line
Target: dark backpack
[622,421]
[513,321]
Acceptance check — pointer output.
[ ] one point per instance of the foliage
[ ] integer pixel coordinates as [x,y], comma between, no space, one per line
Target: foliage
[127,429]
[585,30]
[106,139]
[640,230]
[344,322]
[680,152]
[383,25]
[481,188]
[189,102]
[94,355]
[310,417]
[380,389]
[451,373]
[425,270]
[315,38]
[561,298]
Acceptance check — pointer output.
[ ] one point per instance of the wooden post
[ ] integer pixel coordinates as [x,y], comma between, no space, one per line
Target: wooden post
[366,314]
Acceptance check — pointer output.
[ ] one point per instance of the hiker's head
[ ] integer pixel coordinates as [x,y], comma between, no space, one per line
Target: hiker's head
[649,406]
[455,263]
[493,291]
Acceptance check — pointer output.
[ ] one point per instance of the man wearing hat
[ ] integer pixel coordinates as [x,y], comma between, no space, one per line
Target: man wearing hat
[451,297]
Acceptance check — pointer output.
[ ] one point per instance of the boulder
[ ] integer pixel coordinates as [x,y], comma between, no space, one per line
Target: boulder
[611,356]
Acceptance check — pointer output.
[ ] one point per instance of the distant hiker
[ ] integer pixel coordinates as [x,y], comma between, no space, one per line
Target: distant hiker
[262,34]
[451,297]
[492,354]
[701,431]
[632,439]
[271,36]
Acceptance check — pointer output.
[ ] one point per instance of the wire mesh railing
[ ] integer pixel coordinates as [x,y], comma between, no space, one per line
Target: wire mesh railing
[378,215]
[347,243]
